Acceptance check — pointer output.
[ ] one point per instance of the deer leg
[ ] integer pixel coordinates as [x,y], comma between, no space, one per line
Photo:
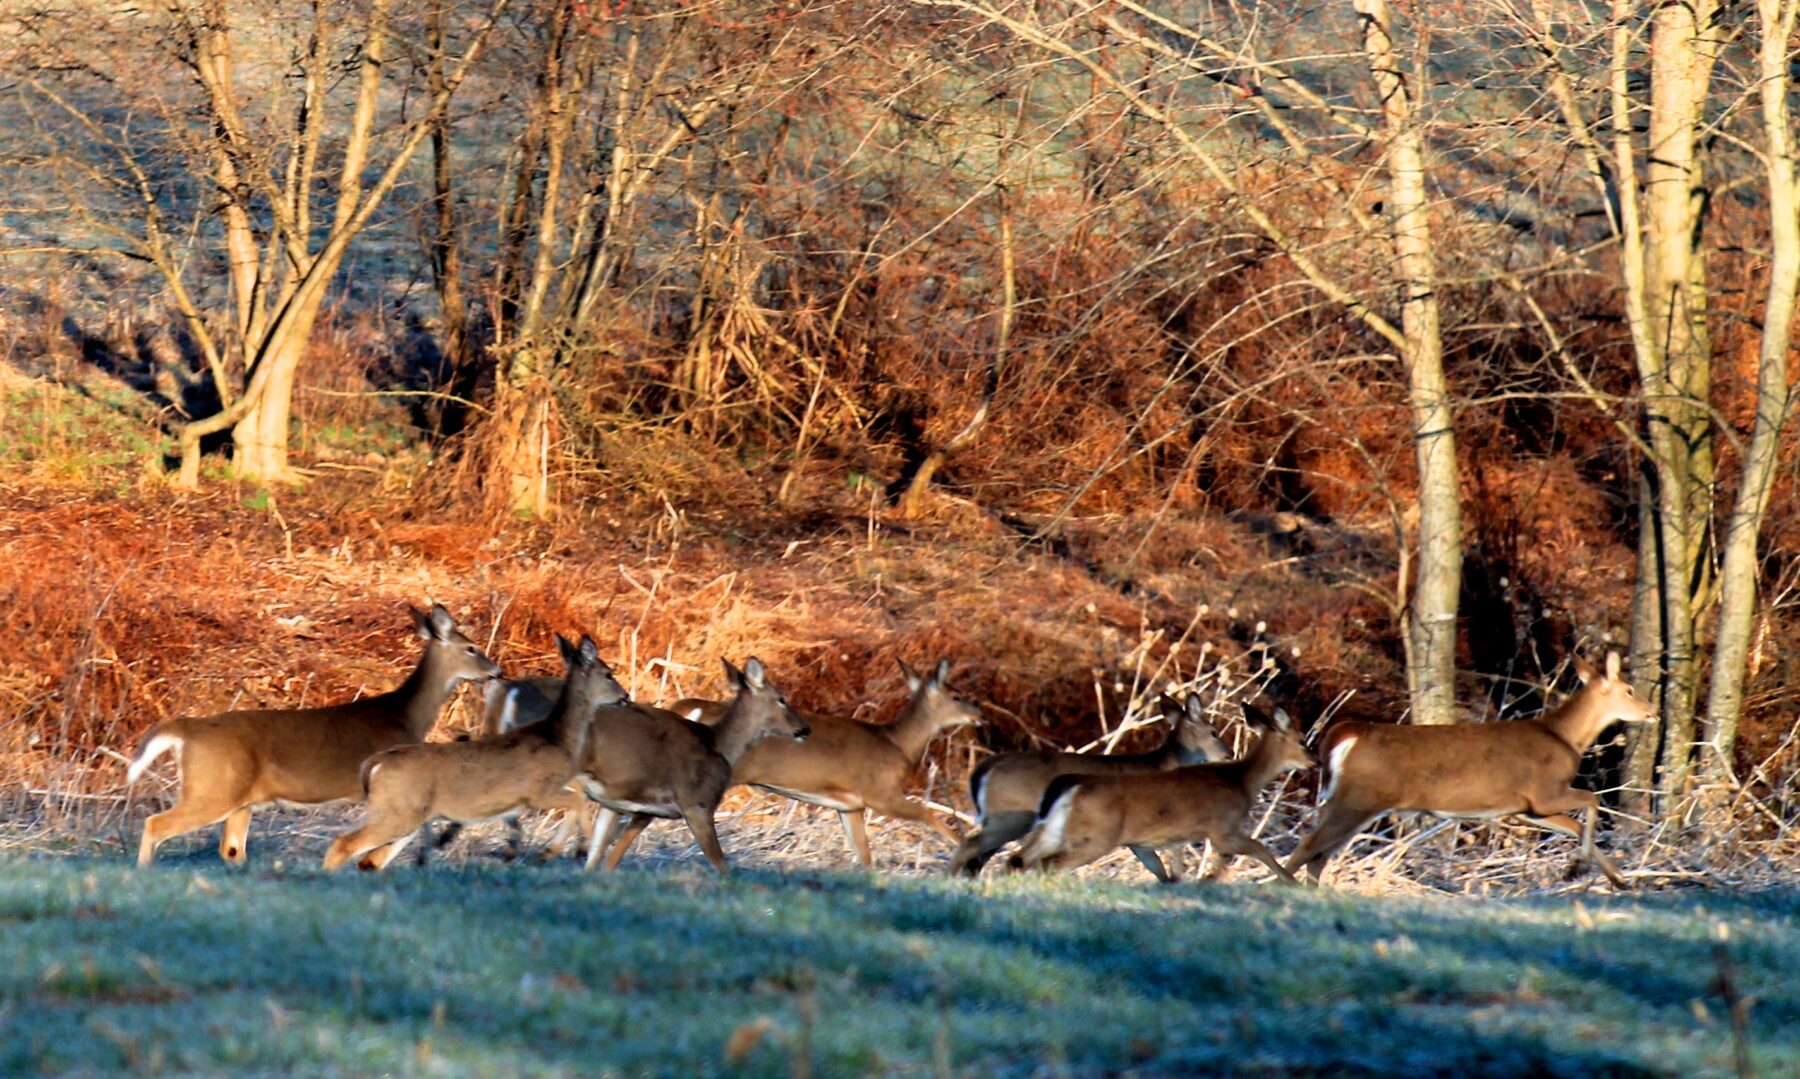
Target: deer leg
[576,824]
[1153,861]
[1074,853]
[515,837]
[381,856]
[856,829]
[1237,843]
[182,818]
[606,829]
[234,844]
[1587,847]
[1003,828]
[634,827]
[364,840]
[1335,828]
[700,822]
[906,809]
[1566,825]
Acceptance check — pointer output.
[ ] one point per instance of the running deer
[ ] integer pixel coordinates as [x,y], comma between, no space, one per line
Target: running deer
[1522,767]
[235,761]
[489,778]
[1008,789]
[507,705]
[1083,818]
[643,763]
[851,766]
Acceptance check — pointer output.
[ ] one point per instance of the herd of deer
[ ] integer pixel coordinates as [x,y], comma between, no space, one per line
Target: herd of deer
[560,743]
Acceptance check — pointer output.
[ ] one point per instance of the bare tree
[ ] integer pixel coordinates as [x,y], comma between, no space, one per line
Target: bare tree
[259,156]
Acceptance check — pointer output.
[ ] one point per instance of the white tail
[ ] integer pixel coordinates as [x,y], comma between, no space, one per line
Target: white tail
[1084,818]
[1520,767]
[153,747]
[853,767]
[235,761]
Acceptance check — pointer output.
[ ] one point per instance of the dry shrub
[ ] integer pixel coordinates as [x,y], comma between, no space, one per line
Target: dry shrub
[668,463]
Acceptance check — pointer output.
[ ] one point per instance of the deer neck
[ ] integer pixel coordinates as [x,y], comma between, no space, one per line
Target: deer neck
[1182,755]
[733,735]
[1576,721]
[568,724]
[914,730]
[421,698]
[1261,766]
[1169,754]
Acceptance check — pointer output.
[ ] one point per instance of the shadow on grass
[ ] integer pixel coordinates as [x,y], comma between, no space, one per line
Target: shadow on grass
[546,971]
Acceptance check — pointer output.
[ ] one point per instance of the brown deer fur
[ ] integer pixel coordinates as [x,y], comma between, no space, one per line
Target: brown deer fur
[489,778]
[851,766]
[235,761]
[1521,767]
[643,763]
[1083,818]
[1008,789]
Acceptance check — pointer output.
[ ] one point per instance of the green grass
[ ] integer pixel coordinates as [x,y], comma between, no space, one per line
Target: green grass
[192,968]
[91,434]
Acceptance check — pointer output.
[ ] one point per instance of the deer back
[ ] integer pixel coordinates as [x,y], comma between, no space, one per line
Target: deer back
[1017,782]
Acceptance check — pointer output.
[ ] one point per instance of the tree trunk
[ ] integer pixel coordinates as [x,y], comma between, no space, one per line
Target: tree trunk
[521,441]
[1741,567]
[522,446]
[1431,623]
[1677,374]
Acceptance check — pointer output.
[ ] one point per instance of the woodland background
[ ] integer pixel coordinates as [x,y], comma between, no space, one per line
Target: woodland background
[1093,347]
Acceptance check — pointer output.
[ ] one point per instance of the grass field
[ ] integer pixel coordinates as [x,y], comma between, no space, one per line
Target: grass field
[488,969]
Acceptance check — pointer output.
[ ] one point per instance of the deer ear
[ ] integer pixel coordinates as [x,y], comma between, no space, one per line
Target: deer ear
[734,678]
[913,680]
[421,623]
[590,652]
[1255,716]
[442,624]
[941,676]
[754,675]
[570,656]
[1283,721]
[1195,709]
[1583,671]
[1613,666]
[1170,707]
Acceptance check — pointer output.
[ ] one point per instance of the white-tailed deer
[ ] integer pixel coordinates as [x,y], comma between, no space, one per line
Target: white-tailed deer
[851,766]
[1007,790]
[235,761]
[1522,767]
[1083,818]
[508,703]
[643,763]
[489,778]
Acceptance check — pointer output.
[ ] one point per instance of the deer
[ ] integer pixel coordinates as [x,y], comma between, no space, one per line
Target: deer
[507,705]
[513,702]
[644,763]
[1084,817]
[493,777]
[1008,789]
[1520,768]
[234,762]
[851,766]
